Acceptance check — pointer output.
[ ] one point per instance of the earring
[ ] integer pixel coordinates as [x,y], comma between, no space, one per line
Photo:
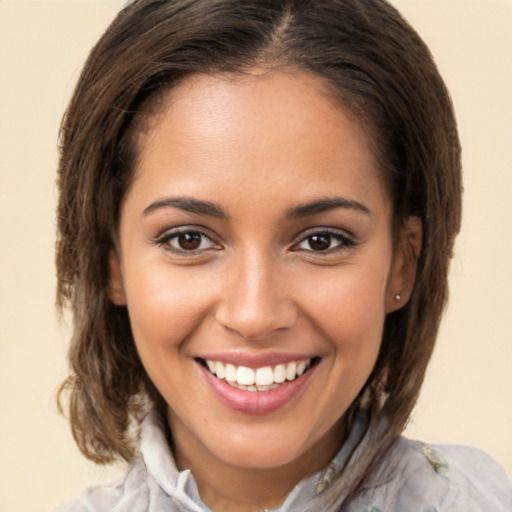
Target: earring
[398,297]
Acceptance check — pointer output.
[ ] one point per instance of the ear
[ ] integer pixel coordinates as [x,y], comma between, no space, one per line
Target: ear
[405,262]
[115,288]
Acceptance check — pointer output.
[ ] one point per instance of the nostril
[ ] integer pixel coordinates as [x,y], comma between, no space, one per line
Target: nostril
[256,321]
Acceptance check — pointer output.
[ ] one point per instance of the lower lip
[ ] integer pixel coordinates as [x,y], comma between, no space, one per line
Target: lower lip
[256,402]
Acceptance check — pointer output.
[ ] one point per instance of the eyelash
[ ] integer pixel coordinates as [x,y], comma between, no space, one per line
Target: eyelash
[344,241]
[166,239]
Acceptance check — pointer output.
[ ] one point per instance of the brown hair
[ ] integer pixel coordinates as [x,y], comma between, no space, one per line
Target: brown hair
[380,69]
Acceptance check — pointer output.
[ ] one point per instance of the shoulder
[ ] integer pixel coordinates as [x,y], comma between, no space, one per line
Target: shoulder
[151,482]
[132,491]
[415,476]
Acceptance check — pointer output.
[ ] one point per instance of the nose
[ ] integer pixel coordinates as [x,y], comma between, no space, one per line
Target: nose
[256,302]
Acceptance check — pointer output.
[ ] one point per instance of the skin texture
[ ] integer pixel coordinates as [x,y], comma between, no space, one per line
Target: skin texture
[255,284]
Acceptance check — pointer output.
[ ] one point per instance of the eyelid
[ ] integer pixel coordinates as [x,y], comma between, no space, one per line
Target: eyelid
[167,235]
[346,239]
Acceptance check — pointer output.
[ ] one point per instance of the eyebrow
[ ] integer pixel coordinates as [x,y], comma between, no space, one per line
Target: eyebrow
[187,204]
[325,204]
[198,206]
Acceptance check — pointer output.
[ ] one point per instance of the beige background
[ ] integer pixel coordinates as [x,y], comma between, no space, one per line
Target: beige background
[468,395]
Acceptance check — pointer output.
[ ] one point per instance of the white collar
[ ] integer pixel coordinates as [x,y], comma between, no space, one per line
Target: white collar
[161,466]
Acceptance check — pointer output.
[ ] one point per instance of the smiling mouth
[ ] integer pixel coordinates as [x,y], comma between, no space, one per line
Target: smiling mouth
[263,378]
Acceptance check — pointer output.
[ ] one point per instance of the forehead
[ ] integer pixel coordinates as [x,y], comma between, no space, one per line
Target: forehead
[234,99]
[271,126]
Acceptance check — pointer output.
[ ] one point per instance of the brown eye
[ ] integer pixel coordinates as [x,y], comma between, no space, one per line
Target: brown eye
[319,242]
[325,242]
[189,241]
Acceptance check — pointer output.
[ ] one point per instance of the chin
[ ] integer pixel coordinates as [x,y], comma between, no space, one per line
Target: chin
[272,455]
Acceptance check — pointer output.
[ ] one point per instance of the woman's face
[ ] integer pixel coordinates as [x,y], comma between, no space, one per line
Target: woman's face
[255,258]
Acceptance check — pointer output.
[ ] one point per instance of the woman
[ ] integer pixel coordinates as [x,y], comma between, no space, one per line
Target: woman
[258,207]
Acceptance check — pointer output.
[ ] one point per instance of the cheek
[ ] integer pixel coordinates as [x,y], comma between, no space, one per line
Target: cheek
[350,307]
[164,307]
[354,328]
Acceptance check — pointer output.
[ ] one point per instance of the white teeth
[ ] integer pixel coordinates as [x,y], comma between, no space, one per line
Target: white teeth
[259,379]
[291,371]
[279,373]
[220,370]
[244,376]
[230,372]
[264,376]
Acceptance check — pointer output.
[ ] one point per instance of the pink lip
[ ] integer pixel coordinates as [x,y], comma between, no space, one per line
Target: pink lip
[256,402]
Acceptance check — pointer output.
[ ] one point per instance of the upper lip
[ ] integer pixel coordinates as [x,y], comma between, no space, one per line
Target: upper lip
[255,360]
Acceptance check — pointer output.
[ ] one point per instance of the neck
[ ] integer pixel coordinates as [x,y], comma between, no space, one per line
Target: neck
[227,488]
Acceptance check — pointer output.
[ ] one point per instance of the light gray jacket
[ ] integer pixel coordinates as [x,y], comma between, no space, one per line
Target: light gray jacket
[423,478]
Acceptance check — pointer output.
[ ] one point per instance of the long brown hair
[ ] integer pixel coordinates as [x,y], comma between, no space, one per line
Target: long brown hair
[379,68]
